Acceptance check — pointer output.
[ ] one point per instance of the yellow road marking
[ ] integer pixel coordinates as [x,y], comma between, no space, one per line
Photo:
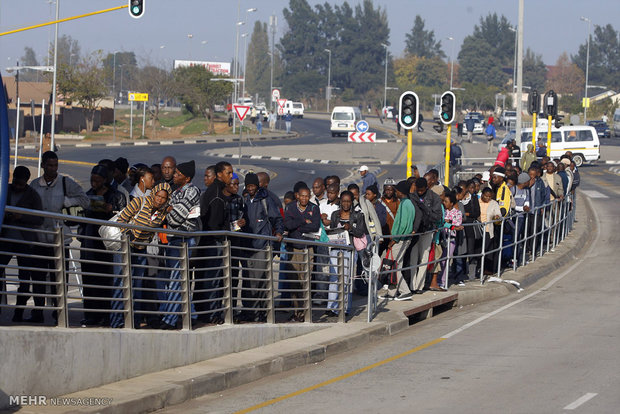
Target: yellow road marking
[596,173]
[383,172]
[340,378]
[90,164]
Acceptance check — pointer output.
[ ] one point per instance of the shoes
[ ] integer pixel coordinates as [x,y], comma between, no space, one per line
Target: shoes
[330,314]
[86,322]
[461,284]
[403,296]
[167,327]
[386,296]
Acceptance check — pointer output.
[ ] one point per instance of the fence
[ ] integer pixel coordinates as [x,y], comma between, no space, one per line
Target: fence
[177,283]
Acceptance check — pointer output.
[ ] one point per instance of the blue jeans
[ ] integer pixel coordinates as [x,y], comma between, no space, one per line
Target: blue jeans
[173,296]
[117,319]
[333,278]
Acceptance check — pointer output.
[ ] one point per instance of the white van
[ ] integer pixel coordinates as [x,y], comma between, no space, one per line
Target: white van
[581,140]
[295,108]
[344,119]
[616,123]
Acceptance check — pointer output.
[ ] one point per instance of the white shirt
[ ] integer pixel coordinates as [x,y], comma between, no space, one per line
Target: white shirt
[326,208]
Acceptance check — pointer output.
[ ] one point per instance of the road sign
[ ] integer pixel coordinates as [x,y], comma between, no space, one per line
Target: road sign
[241,111]
[275,93]
[138,97]
[281,103]
[280,110]
[585,102]
[361,126]
[362,137]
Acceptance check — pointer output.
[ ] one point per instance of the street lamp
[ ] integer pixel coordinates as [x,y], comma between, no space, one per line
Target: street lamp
[329,75]
[514,66]
[273,21]
[385,81]
[114,97]
[585,106]
[451,61]
[189,38]
[245,60]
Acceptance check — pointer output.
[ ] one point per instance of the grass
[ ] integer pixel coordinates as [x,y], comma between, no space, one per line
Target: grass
[195,127]
[173,119]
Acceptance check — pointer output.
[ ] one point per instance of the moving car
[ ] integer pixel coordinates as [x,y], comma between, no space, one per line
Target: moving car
[602,129]
[295,108]
[344,119]
[581,140]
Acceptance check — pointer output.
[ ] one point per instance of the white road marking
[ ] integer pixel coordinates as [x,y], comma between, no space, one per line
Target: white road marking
[594,194]
[581,401]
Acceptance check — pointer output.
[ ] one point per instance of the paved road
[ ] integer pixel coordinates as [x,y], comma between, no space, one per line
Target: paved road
[552,349]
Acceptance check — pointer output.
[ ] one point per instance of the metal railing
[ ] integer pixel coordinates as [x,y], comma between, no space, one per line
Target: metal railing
[178,283]
[532,234]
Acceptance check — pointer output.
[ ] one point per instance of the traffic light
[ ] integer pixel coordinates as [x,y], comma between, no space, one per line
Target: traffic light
[448,108]
[136,8]
[408,110]
[550,104]
[533,102]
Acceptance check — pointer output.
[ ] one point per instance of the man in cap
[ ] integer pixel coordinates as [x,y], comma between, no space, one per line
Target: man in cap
[368,178]
[503,196]
[397,247]
[183,214]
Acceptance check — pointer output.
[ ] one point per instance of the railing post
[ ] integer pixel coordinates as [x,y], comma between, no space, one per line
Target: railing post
[515,243]
[127,281]
[549,229]
[501,247]
[271,313]
[61,279]
[535,234]
[341,288]
[227,283]
[185,286]
[448,257]
[525,239]
[483,252]
[308,287]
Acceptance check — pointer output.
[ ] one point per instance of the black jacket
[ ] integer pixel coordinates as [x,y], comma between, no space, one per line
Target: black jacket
[263,217]
[356,220]
[427,211]
[295,222]
[31,200]
[213,212]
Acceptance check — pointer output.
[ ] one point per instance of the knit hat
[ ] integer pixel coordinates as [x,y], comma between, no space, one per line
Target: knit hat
[188,169]
[251,178]
[565,161]
[100,170]
[523,178]
[403,187]
[501,171]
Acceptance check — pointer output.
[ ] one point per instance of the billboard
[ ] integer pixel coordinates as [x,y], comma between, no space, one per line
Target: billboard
[217,68]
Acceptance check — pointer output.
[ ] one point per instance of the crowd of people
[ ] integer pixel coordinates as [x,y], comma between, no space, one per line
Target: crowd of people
[415,221]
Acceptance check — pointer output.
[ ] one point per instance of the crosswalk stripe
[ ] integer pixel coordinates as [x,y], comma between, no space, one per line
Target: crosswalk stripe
[594,194]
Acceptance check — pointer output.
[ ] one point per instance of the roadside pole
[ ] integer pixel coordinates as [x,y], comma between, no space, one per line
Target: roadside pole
[409,153]
[16,134]
[143,118]
[41,136]
[549,119]
[446,178]
[131,119]
[240,139]
[534,130]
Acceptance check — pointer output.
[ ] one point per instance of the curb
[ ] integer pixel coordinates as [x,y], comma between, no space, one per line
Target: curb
[138,143]
[291,159]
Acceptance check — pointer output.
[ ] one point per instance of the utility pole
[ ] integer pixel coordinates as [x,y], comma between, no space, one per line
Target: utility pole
[273,22]
[54,82]
[520,74]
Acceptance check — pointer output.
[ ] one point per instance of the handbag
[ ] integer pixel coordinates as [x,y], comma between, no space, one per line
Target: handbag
[478,228]
[388,269]
[111,235]
[360,243]
[77,211]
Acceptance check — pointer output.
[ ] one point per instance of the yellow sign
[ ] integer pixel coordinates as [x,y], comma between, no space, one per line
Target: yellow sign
[585,102]
[138,97]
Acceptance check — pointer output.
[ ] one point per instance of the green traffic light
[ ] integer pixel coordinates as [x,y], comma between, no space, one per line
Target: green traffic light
[446,116]
[135,10]
[407,119]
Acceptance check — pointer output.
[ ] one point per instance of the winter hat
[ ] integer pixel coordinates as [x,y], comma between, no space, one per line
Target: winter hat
[251,178]
[403,187]
[501,171]
[523,178]
[188,169]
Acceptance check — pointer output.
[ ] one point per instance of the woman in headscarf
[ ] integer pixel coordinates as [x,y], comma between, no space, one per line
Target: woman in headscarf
[148,211]
[96,261]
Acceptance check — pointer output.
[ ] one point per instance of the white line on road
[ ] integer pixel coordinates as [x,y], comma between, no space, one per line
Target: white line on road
[594,194]
[581,401]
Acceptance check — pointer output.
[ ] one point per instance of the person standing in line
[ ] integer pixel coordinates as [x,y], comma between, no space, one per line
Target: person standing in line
[209,176]
[182,214]
[287,121]
[368,178]
[144,183]
[489,212]
[403,226]
[318,191]
[168,167]
[214,215]
[453,221]
[20,194]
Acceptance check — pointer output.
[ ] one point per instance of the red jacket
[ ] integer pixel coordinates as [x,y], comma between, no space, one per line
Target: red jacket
[502,157]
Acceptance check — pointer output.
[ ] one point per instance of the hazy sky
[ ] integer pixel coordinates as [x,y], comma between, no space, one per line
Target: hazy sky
[551,26]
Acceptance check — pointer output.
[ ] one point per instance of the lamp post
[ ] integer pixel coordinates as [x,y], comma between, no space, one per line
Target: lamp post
[273,22]
[55,79]
[114,97]
[451,61]
[245,60]
[514,65]
[329,76]
[385,81]
[585,107]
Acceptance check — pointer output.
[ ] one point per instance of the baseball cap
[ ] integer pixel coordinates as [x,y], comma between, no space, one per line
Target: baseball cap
[363,168]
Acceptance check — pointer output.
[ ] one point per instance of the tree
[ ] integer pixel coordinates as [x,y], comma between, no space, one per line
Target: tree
[421,42]
[487,52]
[258,67]
[68,51]
[200,91]
[534,70]
[159,84]
[84,83]
[29,59]
[414,71]
[604,64]
[126,70]
[565,77]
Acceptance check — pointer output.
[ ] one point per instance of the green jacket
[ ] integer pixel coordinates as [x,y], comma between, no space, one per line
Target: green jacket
[403,222]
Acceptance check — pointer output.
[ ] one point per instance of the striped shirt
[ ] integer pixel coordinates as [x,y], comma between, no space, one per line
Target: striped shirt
[140,212]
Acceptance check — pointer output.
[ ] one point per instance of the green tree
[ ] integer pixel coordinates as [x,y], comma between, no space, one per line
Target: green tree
[258,67]
[126,70]
[565,77]
[421,42]
[84,83]
[199,90]
[485,53]
[159,84]
[604,64]
[29,59]
[534,70]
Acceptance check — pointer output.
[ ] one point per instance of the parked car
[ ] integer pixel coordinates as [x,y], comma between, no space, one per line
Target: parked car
[388,112]
[478,125]
[616,123]
[582,140]
[264,110]
[602,129]
[508,118]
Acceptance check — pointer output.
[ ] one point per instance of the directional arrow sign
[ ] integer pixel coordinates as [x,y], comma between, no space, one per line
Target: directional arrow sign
[362,136]
[241,111]
[362,126]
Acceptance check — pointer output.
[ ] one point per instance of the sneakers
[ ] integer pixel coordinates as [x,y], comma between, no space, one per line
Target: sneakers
[386,296]
[461,284]
[404,296]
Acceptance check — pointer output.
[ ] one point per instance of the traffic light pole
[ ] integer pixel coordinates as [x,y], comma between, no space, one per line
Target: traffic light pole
[549,119]
[533,130]
[447,166]
[409,156]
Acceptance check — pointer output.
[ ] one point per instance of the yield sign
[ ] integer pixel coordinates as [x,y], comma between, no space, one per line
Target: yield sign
[241,111]
[281,103]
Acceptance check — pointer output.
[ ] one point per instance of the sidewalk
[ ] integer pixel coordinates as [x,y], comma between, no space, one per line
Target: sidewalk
[169,387]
